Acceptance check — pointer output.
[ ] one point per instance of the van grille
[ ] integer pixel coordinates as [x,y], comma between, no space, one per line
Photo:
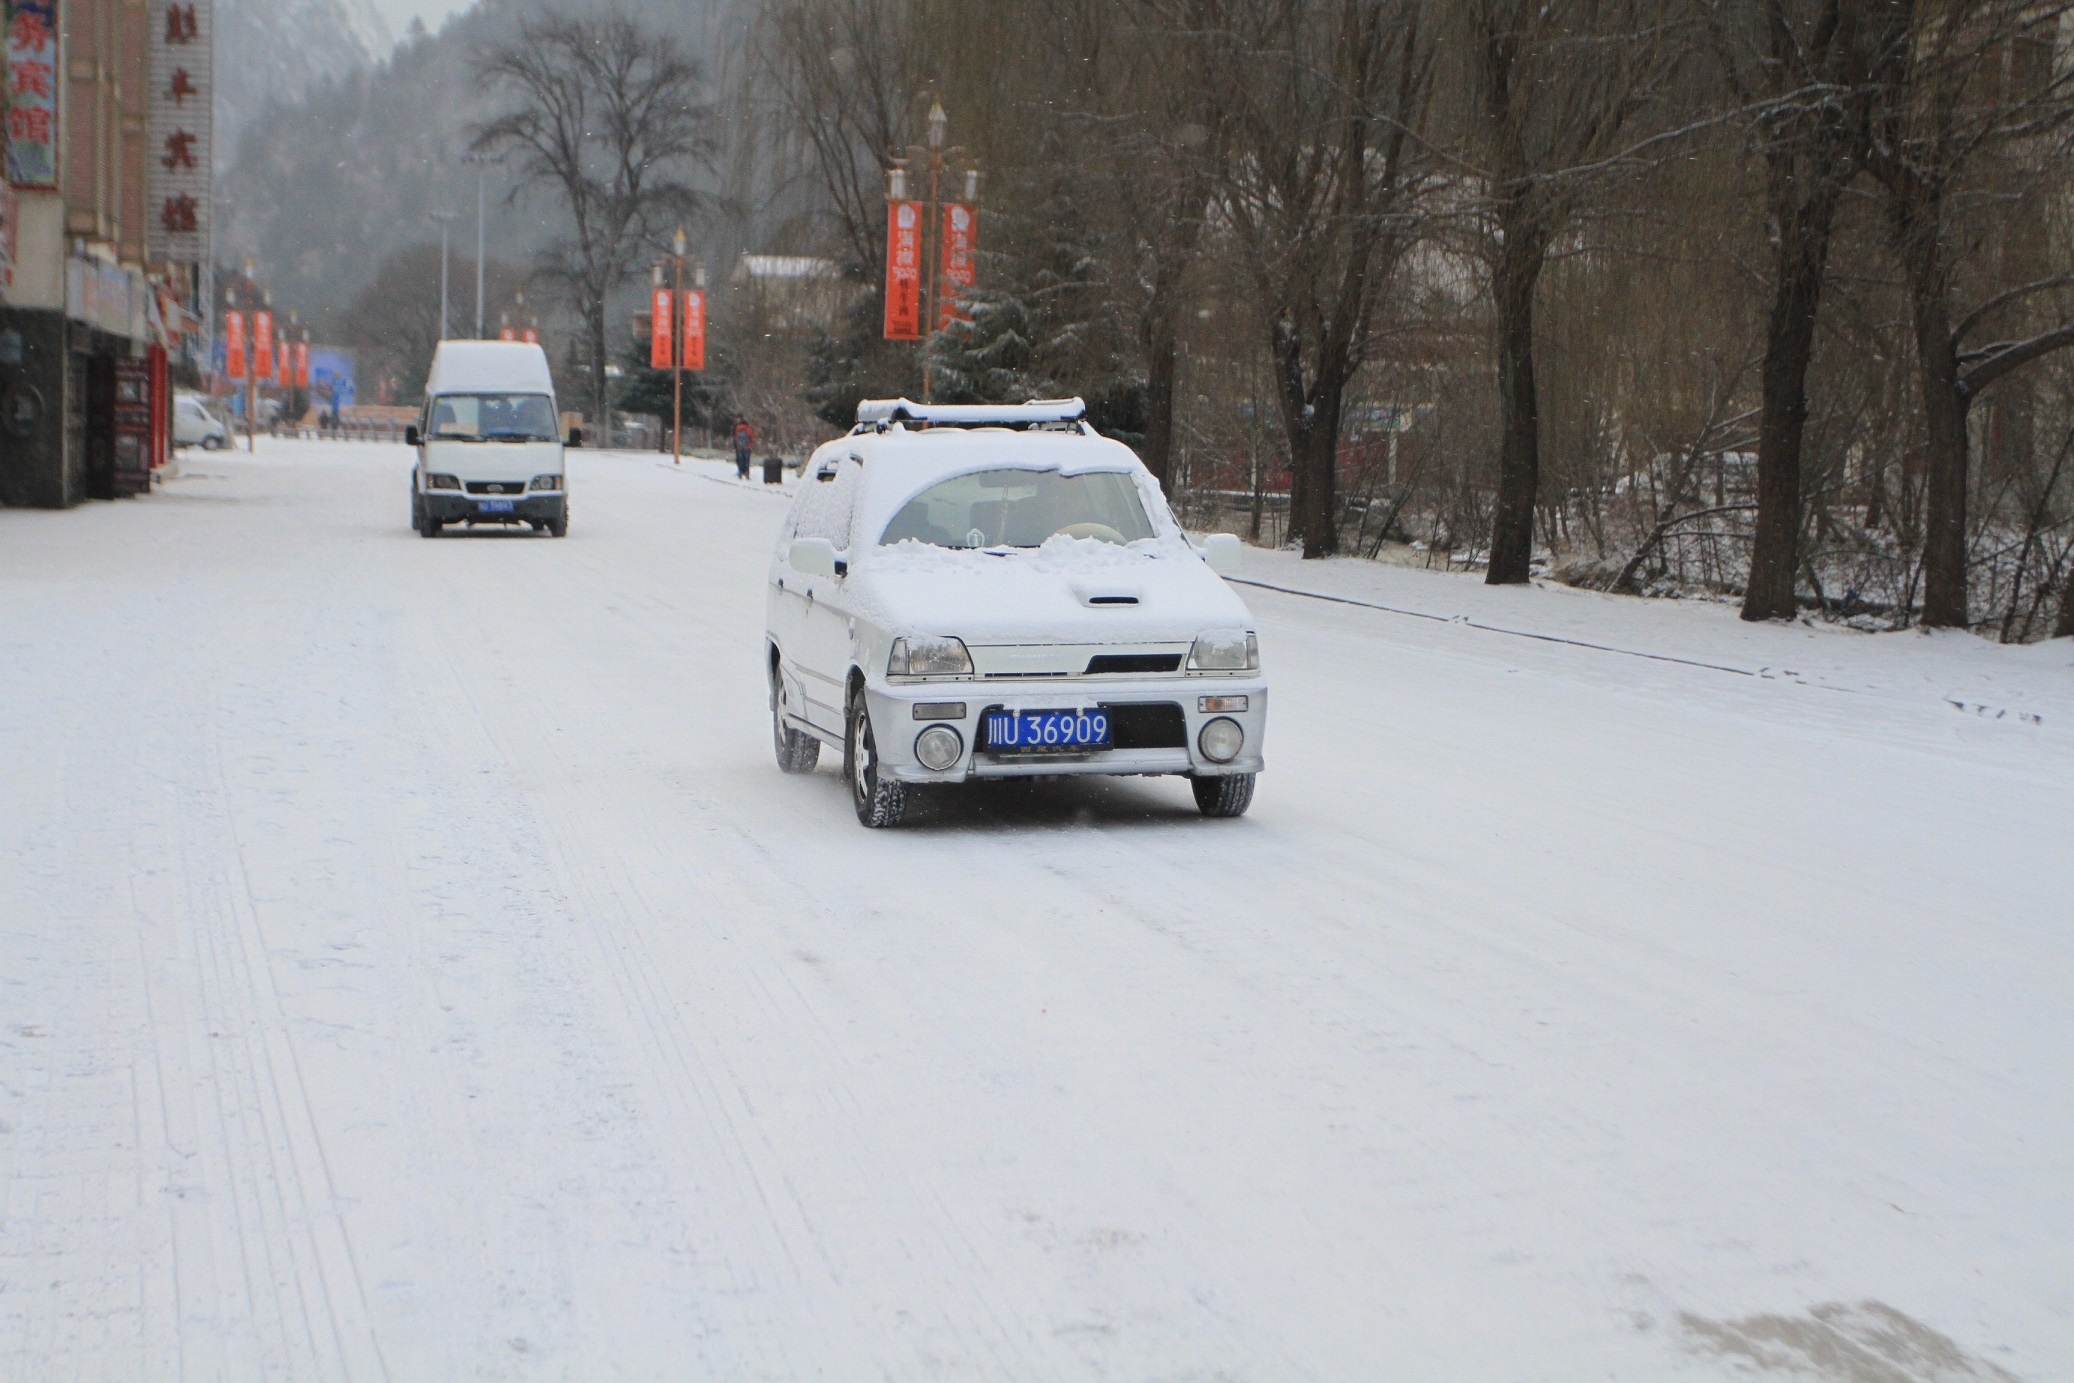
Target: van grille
[496,487]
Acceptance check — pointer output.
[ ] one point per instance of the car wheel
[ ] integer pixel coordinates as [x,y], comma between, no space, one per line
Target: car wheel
[558,526]
[879,801]
[1227,794]
[212,444]
[797,752]
[417,511]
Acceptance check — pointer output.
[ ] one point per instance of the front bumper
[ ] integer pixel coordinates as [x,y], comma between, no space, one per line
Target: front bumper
[448,506]
[895,728]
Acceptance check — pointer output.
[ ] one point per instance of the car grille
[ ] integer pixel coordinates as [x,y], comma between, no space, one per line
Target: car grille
[1133,662]
[496,487]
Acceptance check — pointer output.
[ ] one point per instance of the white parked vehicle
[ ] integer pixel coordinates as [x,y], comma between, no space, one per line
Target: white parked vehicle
[195,426]
[489,441]
[999,591]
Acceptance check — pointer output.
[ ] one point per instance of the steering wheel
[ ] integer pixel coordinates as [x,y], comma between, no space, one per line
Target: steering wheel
[1090,530]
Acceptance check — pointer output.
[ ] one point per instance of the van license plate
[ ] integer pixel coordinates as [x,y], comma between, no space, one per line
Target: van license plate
[1010,732]
[493,506]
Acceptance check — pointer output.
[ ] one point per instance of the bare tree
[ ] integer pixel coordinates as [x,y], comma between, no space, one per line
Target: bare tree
[606,114]
[1323,175]
[1958,81]
[1561,94]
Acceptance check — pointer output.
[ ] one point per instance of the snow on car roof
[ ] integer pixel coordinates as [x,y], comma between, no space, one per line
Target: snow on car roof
[900,464]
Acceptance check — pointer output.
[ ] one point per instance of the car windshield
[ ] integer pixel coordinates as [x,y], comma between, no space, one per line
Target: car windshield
[1021,509]
[493,418]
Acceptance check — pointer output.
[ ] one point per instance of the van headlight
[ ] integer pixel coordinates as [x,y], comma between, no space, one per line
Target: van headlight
[1224,650]
[442,482]
[546,482]
[929,656]
[938,748]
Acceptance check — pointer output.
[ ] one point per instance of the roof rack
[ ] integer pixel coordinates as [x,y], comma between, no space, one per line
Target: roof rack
[882,413]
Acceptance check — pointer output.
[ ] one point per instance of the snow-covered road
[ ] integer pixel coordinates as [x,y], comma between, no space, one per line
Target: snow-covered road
[412,966]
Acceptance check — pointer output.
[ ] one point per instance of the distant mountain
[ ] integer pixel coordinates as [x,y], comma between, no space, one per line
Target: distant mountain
[278,50]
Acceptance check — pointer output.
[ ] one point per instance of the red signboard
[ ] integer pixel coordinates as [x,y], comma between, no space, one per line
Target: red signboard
[531,336]
[960,245]
[661,317]
[234,345]
[302,364]
[695,329]
[903,271]
[262,345]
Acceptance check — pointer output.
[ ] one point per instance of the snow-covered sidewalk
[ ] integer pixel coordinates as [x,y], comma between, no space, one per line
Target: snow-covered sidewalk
[412,966]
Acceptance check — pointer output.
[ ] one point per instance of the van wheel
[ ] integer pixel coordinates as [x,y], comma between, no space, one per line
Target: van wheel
[879,801]
[797,752]
[1227,794]
[558,526]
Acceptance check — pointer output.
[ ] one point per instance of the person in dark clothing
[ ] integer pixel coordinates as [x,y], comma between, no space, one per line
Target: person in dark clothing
[745,443]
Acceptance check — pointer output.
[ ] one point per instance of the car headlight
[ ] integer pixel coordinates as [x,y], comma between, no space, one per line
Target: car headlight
[938,747]
[546,482]
[1221,740]
[929,656]
[1224,650]
[442,482]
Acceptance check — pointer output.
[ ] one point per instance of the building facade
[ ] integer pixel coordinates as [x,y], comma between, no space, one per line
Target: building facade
[104,232]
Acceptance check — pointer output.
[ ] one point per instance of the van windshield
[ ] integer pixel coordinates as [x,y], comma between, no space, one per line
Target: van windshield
[492,418]
[1021,509]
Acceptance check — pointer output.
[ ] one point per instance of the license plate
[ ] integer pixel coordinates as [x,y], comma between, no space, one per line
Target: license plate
[1010,732]
[493,506]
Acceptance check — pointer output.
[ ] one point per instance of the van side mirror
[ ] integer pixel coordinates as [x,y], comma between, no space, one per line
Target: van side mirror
[812,557]
[575,436]
[411,437]
[1224,552]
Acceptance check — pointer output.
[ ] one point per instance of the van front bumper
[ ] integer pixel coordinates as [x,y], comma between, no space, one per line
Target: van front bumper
[895,728]
[446,506]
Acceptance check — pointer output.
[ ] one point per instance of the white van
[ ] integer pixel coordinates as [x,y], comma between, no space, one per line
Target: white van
[489,443]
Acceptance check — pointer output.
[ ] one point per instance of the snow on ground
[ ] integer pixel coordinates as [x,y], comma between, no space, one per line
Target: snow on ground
[412,966]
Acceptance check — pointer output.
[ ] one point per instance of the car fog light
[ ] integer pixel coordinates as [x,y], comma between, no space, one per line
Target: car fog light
[1221,740]
[939,746]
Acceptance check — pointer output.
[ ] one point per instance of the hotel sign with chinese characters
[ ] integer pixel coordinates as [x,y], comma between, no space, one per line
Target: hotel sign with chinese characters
[183,87]
[32,93]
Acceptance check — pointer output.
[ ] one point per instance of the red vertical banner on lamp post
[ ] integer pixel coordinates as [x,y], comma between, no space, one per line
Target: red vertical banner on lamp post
[531,336]
[695,329]
[262,345]
[960,245]
[661,318]
[903,271]
[233,345]
[302,364]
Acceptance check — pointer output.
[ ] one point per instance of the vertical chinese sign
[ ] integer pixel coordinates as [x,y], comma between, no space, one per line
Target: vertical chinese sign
[302,365]
[903,271]
[32,93]
[233,345]
[695,329]
[661,310]
[262,345]
[960,246]
[181,130]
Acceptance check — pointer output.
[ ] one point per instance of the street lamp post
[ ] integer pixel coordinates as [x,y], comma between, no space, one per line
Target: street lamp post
[678,344]
[482,163]
[932,241]
[445,219]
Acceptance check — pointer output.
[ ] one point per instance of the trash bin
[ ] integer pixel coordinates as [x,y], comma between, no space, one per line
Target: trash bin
[773,470]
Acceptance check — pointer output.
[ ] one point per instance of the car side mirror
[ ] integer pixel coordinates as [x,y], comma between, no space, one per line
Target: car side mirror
[575,436]
[1224,552]
[411,436]
[812,556]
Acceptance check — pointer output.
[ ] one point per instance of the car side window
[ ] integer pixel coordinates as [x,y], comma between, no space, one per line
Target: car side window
[825,509]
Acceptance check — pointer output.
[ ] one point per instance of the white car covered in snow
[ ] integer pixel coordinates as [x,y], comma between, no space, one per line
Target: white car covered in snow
[999,591]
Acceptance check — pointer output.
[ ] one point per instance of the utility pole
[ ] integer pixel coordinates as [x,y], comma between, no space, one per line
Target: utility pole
[932,243]
[677,356]
[482,163]
[445,219]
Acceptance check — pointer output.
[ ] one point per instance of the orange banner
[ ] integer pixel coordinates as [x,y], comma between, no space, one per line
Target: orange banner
[903,271]
[302,364]
[960,269]
[234,345]
[507,333]
[661,319]
[695,329]
[262,345]
[531,336]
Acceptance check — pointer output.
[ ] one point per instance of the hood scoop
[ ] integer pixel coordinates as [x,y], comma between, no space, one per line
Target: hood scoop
[1106,593]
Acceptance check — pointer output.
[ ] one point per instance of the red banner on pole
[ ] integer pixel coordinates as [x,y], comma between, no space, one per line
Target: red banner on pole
[302,364]
[903,271]
[960,245]
[661,319]
[234,345]
[262,345]
[507,333]
[531,336]
[695,329]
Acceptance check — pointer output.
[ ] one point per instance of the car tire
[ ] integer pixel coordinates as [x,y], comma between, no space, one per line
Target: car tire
[880,802]
[797,751]
[558,526]
[1226,794]
[211,444]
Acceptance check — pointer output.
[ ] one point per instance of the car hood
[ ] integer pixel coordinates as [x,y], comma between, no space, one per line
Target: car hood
[1077,591]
